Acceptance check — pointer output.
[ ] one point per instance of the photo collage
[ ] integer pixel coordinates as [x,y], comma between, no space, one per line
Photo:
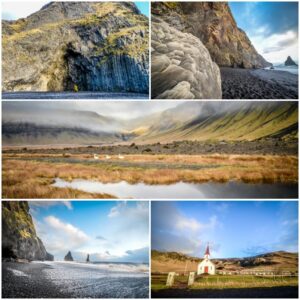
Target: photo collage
[149,149]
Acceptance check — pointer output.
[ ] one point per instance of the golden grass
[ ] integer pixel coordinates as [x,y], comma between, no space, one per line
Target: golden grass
[32,179]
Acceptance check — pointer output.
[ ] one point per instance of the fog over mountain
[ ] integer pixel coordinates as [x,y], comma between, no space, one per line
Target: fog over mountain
[106,122]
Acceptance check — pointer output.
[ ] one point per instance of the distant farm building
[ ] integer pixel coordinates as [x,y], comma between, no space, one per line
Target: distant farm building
[206,266]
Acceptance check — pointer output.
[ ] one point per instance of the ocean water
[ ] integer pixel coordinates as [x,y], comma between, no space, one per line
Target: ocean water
[99,280]
[290,69]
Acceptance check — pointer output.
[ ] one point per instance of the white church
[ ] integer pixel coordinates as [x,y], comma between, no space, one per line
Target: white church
[206,266]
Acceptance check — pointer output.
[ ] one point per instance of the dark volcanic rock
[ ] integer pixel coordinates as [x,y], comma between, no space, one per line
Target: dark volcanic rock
[69,257]
[289,62]
[214,25]
[19,239]
[77,46]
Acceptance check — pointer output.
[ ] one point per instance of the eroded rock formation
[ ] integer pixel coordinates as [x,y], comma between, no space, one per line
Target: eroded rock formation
[181,65]
[19,238]
[69,257]
[77,46]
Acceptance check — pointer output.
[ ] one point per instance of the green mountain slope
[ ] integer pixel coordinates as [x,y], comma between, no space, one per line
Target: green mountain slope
[245,121]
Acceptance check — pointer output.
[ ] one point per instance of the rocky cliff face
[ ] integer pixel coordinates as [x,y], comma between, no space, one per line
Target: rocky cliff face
[181,65]
[77,46]
[19,239]
[214,25]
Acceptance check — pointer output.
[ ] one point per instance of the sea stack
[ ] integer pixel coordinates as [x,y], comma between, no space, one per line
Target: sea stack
[69,257]
[19,238]
[289,62]
[88,258]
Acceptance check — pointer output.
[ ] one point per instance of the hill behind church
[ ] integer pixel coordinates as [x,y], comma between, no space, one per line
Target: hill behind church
[277,262]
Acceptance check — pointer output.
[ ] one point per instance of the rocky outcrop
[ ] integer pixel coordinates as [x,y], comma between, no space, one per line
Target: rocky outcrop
[289,62]
[19,238]
[68,257]
[77,46]
[214,25]
[182,67]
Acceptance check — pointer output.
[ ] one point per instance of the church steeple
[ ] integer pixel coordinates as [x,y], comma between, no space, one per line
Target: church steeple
[207,252]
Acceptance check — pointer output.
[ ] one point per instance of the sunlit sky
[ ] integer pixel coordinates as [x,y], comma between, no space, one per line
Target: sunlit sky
[107,230]
[232,228]
[12,10]
[271,26]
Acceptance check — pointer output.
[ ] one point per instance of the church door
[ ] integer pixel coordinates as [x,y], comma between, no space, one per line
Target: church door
[205,269]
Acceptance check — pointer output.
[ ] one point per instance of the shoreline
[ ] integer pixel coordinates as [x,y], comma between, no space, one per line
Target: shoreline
[49,280]
[258,84]
[72,95]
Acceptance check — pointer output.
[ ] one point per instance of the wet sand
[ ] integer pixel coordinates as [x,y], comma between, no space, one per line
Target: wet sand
[71,95]
[274,292]
[26,280]
[70,280]
[258,84]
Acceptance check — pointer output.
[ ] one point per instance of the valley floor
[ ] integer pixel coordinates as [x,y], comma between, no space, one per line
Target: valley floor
[55,174]
[258,84]
[68,280]
[71,95]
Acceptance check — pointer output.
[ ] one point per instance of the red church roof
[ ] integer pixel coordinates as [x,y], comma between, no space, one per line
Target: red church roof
[207,250]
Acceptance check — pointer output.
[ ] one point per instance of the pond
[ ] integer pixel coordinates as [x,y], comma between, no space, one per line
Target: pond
[183,190]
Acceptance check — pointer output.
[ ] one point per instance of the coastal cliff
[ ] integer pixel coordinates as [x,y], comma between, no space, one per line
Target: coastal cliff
[214,24]
[77,46]
[19,238]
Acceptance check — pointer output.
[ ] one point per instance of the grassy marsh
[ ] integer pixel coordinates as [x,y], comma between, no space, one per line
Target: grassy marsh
[30,175]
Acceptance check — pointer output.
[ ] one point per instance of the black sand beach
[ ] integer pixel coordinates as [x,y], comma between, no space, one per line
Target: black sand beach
[68,280]
[258,84]
[72,95]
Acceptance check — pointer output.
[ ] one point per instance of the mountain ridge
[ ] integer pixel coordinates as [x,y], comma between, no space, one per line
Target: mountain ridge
[209,121]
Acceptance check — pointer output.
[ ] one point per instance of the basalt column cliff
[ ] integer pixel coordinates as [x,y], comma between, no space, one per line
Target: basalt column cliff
[77,46]
[190,41]
[19,238]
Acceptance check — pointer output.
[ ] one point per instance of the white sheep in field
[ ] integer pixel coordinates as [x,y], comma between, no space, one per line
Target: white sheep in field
[96,156]
[107,157]
[120,156]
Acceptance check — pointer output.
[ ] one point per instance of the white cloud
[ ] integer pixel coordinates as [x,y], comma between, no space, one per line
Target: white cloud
[129,225]
[71,231]
[38,204]
[173,231]
[12,10]
[276,47]
[59,236]
[183,223]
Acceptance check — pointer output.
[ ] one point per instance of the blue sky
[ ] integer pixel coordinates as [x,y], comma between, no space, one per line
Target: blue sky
[232,228]
[12,10]
[271,26]
[107,230]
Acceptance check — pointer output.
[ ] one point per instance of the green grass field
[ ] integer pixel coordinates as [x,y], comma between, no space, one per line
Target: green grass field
[158,282]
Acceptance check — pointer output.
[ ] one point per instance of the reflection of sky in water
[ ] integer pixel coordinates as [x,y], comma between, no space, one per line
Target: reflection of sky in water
[88,280]
[182,190]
